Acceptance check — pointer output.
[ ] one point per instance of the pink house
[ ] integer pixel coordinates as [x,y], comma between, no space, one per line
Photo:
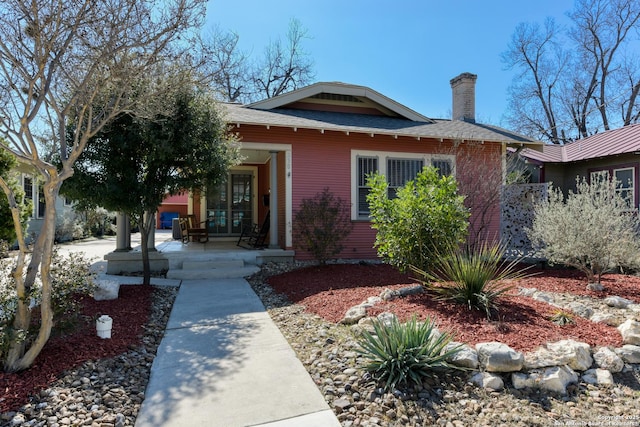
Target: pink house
[333,134]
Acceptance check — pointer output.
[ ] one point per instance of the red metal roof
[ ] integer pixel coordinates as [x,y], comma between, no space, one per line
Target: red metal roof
[617,141]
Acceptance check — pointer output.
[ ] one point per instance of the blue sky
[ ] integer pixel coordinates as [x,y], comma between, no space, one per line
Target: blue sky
[406,50]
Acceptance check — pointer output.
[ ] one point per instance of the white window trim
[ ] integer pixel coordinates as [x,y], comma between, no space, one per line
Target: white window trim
[382,165]
[632,189]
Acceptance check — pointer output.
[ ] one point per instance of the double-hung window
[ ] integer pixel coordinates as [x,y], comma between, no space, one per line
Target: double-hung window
[366,165]
[399,171]
[625,178]
[398,168]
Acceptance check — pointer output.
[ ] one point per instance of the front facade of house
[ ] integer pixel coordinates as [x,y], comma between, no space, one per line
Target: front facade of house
[613,154]
[33,192]
[331,135]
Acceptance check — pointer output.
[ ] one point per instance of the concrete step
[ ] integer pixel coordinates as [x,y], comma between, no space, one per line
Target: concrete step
[212,264]
[213,273]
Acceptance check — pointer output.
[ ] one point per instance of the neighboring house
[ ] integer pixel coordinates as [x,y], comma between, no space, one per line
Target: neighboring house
[33,191]
[171,207]
[614,152]
[332,135]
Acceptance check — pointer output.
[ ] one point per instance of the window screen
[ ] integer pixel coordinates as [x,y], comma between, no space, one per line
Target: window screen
[366,166]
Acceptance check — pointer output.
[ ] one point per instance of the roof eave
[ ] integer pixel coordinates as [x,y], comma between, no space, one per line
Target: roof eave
[322,129]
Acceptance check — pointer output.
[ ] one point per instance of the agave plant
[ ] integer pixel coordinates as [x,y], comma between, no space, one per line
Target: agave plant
[474,277]
[403,353]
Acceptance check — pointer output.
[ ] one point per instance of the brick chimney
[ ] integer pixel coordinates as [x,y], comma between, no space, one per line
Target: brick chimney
[463,88]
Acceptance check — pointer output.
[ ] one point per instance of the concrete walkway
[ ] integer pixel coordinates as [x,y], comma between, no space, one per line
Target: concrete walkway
[223,362]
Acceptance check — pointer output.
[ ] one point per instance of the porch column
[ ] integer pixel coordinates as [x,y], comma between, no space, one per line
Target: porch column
[273,202]
[123,233]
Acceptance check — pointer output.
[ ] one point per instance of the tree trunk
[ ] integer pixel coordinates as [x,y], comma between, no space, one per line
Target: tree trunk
[23,314]
[145,229]
[41,257]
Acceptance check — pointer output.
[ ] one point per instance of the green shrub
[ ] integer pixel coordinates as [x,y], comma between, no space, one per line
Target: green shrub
[7,228]
[405,353]
[4,249]
[473,277]
[592,230]
[322,223]
[71,276]
[426,217]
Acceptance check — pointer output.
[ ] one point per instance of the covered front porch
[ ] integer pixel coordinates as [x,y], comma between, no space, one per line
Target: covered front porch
[169,255]
[256,191]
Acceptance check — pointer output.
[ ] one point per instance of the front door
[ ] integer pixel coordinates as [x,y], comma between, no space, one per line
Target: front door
[230,205]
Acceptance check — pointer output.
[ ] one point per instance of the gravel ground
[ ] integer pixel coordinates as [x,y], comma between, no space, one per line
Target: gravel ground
[328,352]
[109,392]
[103,393]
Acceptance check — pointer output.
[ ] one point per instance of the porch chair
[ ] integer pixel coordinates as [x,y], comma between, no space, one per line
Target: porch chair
[255,235]
[190,230]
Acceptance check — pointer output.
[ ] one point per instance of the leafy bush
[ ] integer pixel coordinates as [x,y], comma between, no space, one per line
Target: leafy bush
[322,223]
[71,276]
[591,230]
[426,217]
[405,353]
[4,249]
[473,277]
[99,222]
[7,228]
[69,227]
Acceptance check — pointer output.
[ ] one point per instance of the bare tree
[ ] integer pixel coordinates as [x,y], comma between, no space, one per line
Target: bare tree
[563,94]
[71,66]
[284,68]
[228,65]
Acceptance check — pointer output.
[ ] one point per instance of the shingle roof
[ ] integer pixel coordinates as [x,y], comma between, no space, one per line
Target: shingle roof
[617,141]
[371,124]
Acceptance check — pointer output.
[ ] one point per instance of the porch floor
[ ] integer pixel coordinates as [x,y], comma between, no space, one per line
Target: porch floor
[218,248]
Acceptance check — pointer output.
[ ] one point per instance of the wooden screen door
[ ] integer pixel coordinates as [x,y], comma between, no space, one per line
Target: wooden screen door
[230,205]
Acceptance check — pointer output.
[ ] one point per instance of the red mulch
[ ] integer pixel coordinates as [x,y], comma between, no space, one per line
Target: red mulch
[522,323]
[129,313]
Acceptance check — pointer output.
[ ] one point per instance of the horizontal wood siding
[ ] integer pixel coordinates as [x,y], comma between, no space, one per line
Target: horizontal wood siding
[323,160]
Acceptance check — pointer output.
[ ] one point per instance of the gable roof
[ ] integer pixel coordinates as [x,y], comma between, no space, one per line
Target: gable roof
[341,93]
[610,143]
[327,107]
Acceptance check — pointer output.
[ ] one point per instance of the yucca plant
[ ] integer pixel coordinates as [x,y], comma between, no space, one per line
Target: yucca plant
[403,353]
[474,277]
[562,318]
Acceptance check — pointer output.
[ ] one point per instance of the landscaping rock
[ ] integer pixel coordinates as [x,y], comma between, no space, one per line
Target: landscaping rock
[387,318]
[598,376]
[555,379]
[370,302]
[597,287]
[488,381]
[353,315]
[542,296]
[629,353]
[466,357]
[498,357]
[411,290]
[607,359]
[106,290]
[580,309]
[630,331]
[617,302]
[575,354]
[606,318]
[388,295]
